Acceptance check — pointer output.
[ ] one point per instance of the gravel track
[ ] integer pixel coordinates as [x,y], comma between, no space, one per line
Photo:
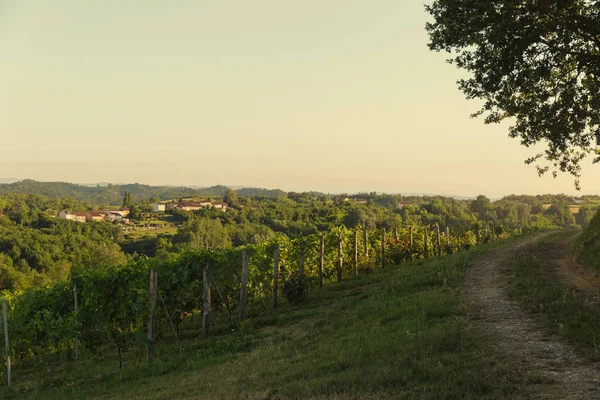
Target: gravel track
[553,368]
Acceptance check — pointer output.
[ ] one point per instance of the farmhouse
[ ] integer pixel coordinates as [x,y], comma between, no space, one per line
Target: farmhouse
[197,205]
[220,206]
[189,206]
[159,207]
[73,216]
[113,216]
[94,216]
[123,212]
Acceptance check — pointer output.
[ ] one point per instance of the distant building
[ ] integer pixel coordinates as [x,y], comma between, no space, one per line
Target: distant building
[113,216]
[73,216]
[355,200]
[403,204]
[159,207]
[578,201]
[191,205]
[123,212]
[95,216]
[220,206]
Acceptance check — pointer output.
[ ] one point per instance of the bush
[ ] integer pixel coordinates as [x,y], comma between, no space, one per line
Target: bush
[587,246]
[295,288]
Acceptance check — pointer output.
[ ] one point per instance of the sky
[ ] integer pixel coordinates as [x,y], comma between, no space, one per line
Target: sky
[334,96]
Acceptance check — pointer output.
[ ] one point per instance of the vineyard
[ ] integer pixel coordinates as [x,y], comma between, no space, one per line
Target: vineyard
[132,306]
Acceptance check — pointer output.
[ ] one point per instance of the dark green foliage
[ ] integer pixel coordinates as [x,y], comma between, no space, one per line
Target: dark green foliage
[536,63]
[202,234]
[295,288]
[127,200]
[40,257]
[115,195]
[587,246]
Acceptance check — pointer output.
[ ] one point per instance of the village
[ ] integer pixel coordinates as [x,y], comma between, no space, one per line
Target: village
[188,205]
[121,215]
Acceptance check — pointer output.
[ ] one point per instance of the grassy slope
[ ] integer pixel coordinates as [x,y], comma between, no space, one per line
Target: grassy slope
[588,245]
[562,310]
[401,333]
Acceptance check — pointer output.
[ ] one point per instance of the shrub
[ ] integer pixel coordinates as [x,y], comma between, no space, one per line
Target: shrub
[295,288]
[587,247]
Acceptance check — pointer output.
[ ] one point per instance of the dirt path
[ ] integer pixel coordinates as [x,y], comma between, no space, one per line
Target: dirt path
[555,371]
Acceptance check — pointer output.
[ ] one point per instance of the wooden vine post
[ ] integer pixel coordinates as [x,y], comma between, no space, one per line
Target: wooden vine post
[205,300]
[439,243]
[411,244]
[340,258]
[383,249]
[76,315]
[355,252]
[448,247]
[395,234]
[244,288]
[7,345]
[275,276]
[321,260]
[366,242]
[152,313]
[302,258]
[425,245]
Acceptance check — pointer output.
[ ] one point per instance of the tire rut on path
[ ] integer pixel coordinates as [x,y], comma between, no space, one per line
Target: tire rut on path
[555,371]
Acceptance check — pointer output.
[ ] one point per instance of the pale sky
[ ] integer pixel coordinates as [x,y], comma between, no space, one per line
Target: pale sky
[328,95]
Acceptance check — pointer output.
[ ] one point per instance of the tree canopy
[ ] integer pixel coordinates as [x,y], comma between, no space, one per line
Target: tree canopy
[534,62]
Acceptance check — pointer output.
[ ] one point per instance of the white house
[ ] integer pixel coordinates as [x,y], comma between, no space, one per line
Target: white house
[113,216]
[159,207]
[219,206]
[73,216]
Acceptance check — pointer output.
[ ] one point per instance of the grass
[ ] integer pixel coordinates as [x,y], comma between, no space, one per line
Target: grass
[400,333]
[588,245]
[562,310]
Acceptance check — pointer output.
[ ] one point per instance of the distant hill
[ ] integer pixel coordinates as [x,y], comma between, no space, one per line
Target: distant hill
[108,194]
[9,180]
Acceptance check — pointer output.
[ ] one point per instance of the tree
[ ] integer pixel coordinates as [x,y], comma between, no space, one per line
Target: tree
[231,198]
[203,234]
[584,216]
[127,200]
[135,212]
[560,214]
[355,217]
[480,206]
[534,62]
